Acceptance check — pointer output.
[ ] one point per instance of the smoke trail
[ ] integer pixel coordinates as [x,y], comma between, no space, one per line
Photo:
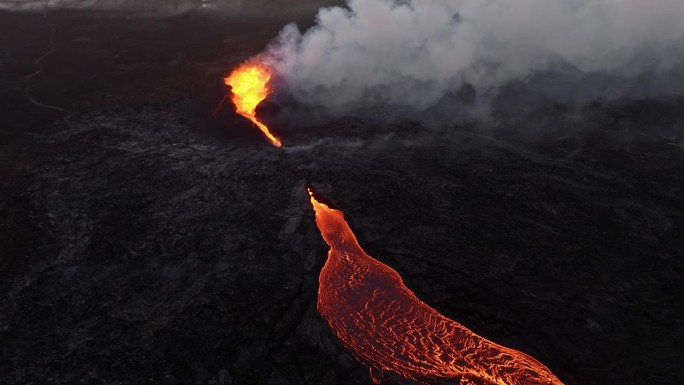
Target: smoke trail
[411,53]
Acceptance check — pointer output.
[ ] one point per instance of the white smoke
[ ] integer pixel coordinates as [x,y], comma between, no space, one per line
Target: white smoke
[414,52]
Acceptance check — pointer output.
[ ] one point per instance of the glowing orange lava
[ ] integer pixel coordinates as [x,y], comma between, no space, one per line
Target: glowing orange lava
[388,328]
[249,84]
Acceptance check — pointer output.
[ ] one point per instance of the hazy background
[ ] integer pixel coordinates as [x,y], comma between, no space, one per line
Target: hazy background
[165,7]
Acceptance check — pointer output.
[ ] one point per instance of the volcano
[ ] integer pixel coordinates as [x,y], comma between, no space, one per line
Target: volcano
[146,240]
[249,87]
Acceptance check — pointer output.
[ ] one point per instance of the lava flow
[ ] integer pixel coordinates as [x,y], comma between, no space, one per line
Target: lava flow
[249,84]
[388,328]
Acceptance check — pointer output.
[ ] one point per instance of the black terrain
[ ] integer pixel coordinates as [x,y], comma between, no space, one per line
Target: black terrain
[145,240]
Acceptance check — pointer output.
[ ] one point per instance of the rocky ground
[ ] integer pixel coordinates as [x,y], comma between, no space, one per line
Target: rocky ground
[146,242]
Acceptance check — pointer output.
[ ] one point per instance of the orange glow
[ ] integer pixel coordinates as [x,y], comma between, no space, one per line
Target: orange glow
[388,328]
[249,84]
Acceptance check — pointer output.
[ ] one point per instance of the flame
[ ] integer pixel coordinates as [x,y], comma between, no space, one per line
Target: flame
[249,84]
[388,328]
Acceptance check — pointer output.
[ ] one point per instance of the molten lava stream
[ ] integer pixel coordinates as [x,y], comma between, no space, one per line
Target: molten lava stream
[249,83]
[388,328]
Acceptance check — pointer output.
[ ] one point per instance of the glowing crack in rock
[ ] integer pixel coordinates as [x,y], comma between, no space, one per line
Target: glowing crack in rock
[388,328]
[249,83]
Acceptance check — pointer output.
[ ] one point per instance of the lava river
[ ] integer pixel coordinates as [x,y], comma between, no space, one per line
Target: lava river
[389,329]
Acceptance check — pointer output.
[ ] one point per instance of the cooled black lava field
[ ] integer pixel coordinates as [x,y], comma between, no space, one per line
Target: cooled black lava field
[144,240]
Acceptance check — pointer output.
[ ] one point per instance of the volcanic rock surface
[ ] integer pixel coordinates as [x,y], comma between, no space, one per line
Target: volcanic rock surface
[146,242]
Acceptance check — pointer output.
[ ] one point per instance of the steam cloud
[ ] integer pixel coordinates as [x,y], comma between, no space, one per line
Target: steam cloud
[411,53]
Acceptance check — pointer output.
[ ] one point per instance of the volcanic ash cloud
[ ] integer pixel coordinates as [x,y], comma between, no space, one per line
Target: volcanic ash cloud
[412,53]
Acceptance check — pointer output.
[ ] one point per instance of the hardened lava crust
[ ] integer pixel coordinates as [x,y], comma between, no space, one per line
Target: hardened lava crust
[145,241]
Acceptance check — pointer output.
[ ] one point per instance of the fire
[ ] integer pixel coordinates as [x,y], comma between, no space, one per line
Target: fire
[388,328]
[249,84]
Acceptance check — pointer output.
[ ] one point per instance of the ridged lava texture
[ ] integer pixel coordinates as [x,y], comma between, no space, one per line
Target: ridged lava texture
[388,328]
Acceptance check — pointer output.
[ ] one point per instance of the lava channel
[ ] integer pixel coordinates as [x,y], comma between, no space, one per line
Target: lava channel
[388,328]
[249,83]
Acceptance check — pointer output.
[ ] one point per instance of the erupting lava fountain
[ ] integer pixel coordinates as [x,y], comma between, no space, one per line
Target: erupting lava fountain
[249,83]
[388,328]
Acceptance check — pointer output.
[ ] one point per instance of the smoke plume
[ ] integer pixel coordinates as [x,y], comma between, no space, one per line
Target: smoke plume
[413,53]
